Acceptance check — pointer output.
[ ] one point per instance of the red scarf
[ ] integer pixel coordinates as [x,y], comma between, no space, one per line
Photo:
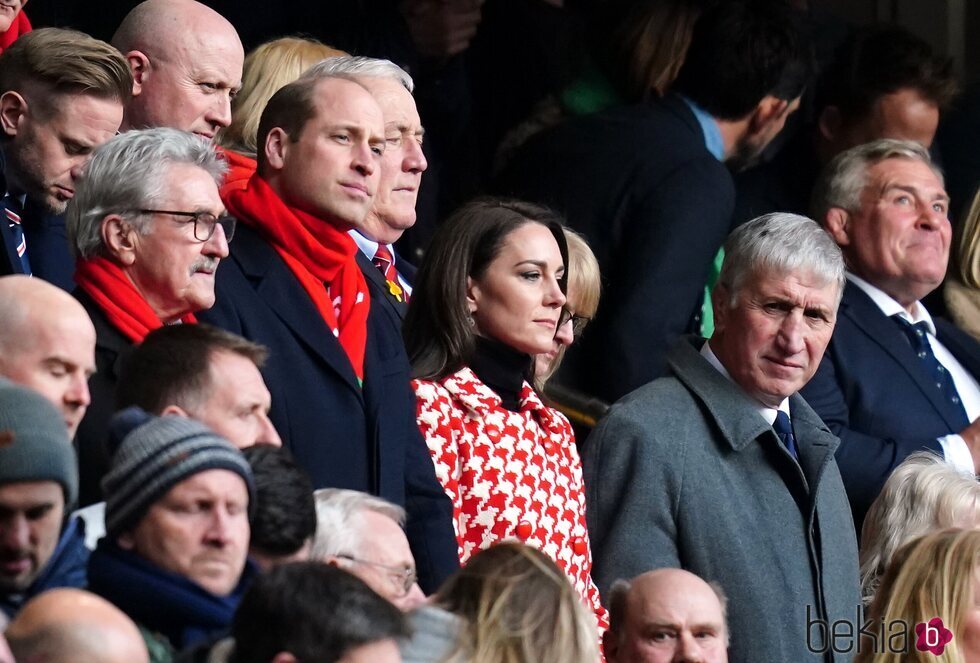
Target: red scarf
[115,294]
[240,169]
[19,26]
[320,256]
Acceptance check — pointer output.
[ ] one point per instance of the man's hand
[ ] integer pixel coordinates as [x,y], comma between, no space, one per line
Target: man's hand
[971,435]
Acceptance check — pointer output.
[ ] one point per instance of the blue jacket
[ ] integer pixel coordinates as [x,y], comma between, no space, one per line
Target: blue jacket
[343,435]
[66,568]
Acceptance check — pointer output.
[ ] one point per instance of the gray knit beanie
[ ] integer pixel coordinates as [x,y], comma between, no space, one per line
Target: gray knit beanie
[34,442]
[155,454]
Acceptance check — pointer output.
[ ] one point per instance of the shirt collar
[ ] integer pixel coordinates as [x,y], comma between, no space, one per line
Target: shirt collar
[369,247]
[767,413]
[713,141]
[890,307]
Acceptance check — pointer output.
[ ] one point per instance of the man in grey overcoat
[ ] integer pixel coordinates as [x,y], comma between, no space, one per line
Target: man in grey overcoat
[721,468]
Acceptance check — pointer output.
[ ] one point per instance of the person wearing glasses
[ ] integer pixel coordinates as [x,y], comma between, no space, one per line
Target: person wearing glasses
[148,230]
[488,299]
[363,534]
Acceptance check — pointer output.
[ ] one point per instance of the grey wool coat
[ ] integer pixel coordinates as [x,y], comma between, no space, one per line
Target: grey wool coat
[684,472]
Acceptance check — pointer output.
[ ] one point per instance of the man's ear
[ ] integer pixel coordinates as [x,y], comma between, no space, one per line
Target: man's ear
[837,223]
[139,65]
[175,410]
[610,646]
[283,657]
[720,304]
[13,109]
[119,238]
[829,123]
[276,146]
[767,111]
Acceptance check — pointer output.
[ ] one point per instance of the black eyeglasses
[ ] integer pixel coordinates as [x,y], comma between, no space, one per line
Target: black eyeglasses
[578,321]
[402,578]
[204,222]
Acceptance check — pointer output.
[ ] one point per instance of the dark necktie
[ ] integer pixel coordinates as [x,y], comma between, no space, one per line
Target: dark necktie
[12,210]
[918,335]
[785,432]
[385,262]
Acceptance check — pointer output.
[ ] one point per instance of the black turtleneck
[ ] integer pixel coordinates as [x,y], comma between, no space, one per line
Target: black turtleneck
[502,368]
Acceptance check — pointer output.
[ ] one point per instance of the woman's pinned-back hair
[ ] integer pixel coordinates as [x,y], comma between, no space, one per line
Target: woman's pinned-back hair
[438,333]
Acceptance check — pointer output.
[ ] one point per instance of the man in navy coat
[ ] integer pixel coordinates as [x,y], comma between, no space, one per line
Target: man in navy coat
[893,380]
[649,187]
[337,369]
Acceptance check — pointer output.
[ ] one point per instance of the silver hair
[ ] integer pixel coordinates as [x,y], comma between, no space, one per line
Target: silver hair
[781,243]
[340,521]
[129,173]
[358,65]
[844,178]
[922,495]
[617,604]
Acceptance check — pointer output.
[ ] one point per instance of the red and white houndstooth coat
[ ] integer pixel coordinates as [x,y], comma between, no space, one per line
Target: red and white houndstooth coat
[510,475]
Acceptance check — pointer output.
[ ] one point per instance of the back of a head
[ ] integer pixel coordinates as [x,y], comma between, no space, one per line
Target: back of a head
[339,514]
[923,494]
[316,612]
[172,366]
[932,576]
[267,69]
[519,606]
[763,51]
[60,61]
[879,60]
[284,519]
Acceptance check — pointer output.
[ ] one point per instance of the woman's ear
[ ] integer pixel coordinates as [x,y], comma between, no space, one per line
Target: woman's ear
[472,295]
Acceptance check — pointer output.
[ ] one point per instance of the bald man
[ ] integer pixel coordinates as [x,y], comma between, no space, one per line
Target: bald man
[666,616]
[186,61]
[47,343]
[74,626]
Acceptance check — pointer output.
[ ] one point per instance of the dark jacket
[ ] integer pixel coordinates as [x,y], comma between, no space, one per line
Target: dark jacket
[874,393]
[110,350]
[655,206]
[345,436]
[66,568]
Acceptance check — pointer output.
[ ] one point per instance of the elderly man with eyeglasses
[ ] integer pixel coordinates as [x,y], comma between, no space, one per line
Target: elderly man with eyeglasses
[363,534]
[148,230]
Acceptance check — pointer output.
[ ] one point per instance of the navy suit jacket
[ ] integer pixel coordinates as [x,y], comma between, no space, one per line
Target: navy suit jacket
[345,436]
[47,246]
[379,286]
[874,393]
[655,206]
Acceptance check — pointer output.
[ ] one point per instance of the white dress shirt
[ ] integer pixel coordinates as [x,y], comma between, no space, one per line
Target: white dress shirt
[953,446]
[767,413]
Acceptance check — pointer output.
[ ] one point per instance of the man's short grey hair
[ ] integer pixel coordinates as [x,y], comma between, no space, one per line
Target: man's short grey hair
[360,66]
[616,602]
[128,173]
[781,244]
[843,179]
[340,520]
[924,494]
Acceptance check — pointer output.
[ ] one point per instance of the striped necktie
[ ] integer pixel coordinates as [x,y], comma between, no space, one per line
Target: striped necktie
[12,210]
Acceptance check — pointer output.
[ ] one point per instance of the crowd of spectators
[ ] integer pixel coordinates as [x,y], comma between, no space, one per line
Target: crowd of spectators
[369,344]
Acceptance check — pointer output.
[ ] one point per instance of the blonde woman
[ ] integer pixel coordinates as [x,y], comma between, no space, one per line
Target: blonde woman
[935,576]
[516,605]
[923,494]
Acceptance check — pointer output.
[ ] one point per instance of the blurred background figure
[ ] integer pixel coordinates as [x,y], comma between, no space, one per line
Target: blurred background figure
[513,604]
[923,494]
[961,290]
[364,534]
[283,521]
[74,626]
[488,300]
[937,575]
[307,611]
[13,23]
